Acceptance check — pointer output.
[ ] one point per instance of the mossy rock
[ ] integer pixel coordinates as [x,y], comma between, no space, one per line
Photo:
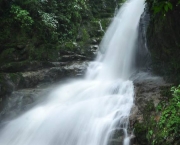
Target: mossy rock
[160,124]
[7,55]
[163,37]
[140,131]
[6,86]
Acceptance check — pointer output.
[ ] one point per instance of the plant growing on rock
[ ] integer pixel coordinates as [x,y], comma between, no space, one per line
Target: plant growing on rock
[163,127]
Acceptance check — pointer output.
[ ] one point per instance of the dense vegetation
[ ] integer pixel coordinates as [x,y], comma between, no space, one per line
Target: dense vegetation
[167,130]
[36,29]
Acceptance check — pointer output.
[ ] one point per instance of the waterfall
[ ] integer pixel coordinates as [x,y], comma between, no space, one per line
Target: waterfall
[87,111]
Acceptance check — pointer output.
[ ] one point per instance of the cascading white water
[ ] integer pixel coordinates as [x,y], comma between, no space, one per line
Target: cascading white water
[85,112]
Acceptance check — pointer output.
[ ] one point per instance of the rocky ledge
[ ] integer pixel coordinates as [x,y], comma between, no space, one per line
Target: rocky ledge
[19,90]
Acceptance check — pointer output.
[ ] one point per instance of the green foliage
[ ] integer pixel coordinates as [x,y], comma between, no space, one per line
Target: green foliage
[85,35]
[170,117]
[162,6]
[42,25]
[163,127]
[22,16]
[169,122]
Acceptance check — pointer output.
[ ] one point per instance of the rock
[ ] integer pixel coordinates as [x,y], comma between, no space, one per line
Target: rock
[116,137]
[6,85]
[147,96]
[33,78]
[15,93]
[94,47]
[118,141]
[142,52]
[22,100]
[21,46]
[147,89]
[14,67]
[73,57]
[94,41]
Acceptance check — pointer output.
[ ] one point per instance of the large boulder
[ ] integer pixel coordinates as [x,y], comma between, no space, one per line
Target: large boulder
[148,94]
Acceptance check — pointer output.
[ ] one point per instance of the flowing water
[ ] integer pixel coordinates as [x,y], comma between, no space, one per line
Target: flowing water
[86,111]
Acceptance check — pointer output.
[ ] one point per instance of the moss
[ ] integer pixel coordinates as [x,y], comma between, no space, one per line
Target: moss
[144,130]
[105,23]
[70,46]
[140,131]
[7,55]
[149,107]
[105,15]
[15,77]
[13,66]
[44,52]
[85,35]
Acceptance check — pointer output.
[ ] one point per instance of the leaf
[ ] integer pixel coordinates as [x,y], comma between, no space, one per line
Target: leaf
[169,5]
[166,8]
[156,9]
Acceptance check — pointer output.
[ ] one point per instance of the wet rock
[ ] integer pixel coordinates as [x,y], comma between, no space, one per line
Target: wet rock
[94,48]
[147,96]
[10,82]
[77,57]
[117,137]
[94,41]
[148,89]
[142,52]
[118,141]
[14,98]
[22,100]
[76,68]
[6,85]
[53,74]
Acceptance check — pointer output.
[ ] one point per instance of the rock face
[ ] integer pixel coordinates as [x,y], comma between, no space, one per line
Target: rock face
[142,52]
[163,36]
[21,100]
[19,90]
[148,93]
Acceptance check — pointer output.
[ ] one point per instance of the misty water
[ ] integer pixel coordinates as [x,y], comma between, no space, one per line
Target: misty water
[87,111]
